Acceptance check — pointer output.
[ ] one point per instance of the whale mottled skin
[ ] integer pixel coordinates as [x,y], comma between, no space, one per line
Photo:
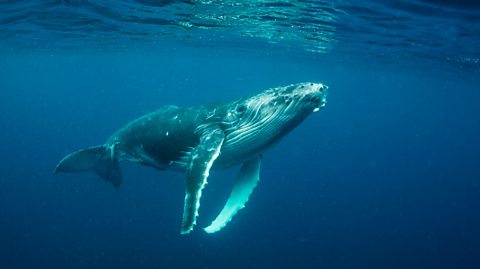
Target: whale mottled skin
[195,140]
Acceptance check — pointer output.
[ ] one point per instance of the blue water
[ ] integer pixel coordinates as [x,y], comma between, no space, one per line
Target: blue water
[387,175]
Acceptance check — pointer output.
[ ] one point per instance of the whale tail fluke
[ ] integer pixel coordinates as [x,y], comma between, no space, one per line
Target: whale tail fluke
[100,159]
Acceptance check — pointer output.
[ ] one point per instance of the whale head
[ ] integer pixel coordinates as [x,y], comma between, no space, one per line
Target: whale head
[286,106]
[261,120]
[299,98]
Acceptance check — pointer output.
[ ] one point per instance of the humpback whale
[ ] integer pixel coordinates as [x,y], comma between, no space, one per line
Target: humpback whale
[195,140]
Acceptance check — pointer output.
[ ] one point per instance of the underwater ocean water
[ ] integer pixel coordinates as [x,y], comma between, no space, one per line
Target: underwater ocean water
[387,175]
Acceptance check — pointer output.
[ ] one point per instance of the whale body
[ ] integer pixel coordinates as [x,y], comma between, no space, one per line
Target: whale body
[195,140]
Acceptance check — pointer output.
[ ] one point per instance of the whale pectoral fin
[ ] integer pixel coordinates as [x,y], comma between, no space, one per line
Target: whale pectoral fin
[246,181]
[202,158]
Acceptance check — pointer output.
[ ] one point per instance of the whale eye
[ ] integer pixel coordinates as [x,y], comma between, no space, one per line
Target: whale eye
[241,108]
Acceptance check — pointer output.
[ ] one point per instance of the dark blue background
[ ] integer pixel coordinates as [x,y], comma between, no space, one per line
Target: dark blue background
[386,176]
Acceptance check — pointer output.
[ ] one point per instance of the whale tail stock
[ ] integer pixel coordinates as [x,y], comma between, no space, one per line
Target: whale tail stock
[100,159]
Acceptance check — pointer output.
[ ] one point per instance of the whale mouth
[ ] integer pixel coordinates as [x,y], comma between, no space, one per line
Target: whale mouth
[316,109]
[320,102]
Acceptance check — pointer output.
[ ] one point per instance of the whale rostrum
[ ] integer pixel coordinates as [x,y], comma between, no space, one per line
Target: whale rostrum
[196,140]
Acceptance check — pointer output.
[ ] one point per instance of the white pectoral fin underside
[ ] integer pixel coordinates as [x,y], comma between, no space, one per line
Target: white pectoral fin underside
[202,158]
[246,182]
